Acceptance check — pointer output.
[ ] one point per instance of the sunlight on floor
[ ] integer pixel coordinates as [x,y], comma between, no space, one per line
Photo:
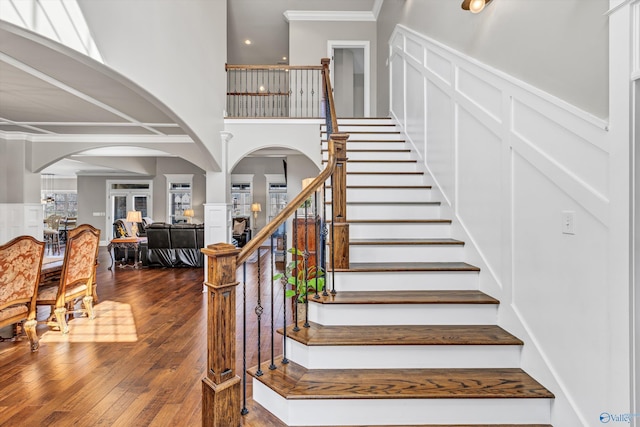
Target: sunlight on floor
[113,323]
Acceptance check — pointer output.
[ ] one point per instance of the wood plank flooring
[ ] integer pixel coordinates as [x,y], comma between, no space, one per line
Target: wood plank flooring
[139,363]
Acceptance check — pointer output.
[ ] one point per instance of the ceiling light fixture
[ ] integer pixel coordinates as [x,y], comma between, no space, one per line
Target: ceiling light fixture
[247,42]
[284,58]
[475,6]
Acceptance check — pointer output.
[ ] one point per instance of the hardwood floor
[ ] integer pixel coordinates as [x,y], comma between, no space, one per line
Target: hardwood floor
[139,363]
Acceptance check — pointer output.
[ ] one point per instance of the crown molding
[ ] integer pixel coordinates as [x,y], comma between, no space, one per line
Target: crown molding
[92,138]
[377,6]
[327,15]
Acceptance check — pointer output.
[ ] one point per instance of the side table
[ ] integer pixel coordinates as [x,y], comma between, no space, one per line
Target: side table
[125,243]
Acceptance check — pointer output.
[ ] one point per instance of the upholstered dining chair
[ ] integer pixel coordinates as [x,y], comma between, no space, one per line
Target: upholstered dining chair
[52,233]
[20,265]
[76,278]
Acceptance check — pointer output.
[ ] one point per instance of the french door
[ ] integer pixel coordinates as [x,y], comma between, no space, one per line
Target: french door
[125,196]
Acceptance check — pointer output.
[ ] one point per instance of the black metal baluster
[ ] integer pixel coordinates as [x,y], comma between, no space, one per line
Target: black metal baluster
[273,328]
[325,232]
[244,410]
[305,257]
[294,257]
[258,312]
[316,230]
[285,282]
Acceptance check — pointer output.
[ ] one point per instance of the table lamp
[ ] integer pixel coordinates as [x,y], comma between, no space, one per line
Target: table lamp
[189,214]
[134,217]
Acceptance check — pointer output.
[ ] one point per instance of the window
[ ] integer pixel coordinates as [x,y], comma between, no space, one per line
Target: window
[241,199]
[179,197]
[64,204]
[277,199]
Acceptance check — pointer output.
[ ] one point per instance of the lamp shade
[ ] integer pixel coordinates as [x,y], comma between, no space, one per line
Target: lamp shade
[256,207]
[134,216]
[189,212]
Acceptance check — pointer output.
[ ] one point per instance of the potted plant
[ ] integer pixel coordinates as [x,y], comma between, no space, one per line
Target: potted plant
[302,280]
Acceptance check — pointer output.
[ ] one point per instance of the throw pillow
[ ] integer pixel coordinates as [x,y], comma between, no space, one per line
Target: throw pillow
[238,227]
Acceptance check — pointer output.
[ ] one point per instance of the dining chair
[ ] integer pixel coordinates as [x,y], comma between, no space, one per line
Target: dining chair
[20,265]
[52,233]
[76,278]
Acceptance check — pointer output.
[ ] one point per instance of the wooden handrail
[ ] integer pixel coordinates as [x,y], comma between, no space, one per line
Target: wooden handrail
[228,67]
[329,94]
[291,207]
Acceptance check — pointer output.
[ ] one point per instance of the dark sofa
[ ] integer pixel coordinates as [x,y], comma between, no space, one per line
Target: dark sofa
[176,245]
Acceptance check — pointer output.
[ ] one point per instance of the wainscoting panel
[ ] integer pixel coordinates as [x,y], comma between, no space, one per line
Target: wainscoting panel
[415,50]
[560,145]
[559,297]
[512,161]
[479,188]
[439,66]
[397,87]
[415,124]
[17,219]
[440,139]
[485,96]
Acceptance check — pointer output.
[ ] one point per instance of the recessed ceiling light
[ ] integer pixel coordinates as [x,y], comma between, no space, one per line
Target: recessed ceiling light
[247,42]
[284,58]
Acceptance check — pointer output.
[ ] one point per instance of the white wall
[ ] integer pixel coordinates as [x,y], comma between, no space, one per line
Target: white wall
[508,159]
[250,135]
[175,50]
[308,44]
[559,46]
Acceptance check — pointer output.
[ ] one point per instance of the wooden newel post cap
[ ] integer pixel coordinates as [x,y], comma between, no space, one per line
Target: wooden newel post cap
[324,61]
[221,264]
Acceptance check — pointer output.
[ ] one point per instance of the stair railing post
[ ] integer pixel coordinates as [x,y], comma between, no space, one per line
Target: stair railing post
[221,387]
[339,203]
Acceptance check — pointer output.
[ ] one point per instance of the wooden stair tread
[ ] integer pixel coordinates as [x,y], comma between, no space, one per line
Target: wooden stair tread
[293,381]
[370,140]
[365,150]
[397,221]
[321,335]
[470,296]
[356,267]
[360,132]
[384,187]
[394,241]
[391,203]
[379,161]
[385,173]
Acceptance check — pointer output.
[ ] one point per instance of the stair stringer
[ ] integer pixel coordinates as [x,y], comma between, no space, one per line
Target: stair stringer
[533,359]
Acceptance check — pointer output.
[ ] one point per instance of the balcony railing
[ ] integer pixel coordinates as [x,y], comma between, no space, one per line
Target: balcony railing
[274,91]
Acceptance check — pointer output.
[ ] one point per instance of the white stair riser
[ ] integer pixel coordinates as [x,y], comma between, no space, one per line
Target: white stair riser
[404,356]
[326,412]
[359,121]
[375,155]
[373,211]
[384,136]
[382,167]
[403,314]
[386,195]
[409,280]
[390,145]
[384,179]
[346,128]
[406,253]
[399,230]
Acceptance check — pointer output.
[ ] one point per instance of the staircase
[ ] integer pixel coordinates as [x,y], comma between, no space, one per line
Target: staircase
[408,339]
